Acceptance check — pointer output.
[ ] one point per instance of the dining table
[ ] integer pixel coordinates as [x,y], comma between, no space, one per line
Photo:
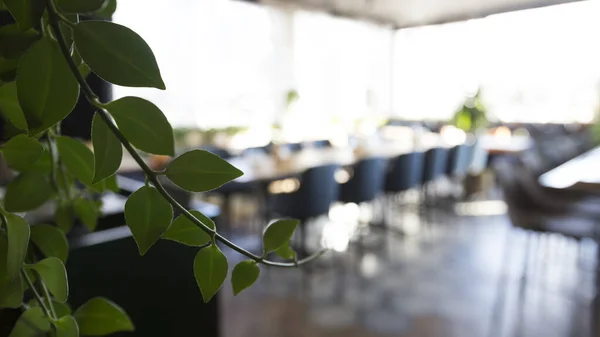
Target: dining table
[505,145]
[263,167]
[581,173]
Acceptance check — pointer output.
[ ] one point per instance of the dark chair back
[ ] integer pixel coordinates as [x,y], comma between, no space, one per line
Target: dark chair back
[257,150]
[435,164]
[319,144]
[292,147]
[366,182]
[459,158]
[404,172]
[318,190]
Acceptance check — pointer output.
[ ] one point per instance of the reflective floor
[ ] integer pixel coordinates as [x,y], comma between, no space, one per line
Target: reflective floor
[453,275]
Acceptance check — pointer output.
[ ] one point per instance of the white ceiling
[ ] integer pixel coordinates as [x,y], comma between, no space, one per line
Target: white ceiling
[409,13]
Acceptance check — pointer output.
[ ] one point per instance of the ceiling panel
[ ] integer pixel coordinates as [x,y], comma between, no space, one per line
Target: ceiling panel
[410,13]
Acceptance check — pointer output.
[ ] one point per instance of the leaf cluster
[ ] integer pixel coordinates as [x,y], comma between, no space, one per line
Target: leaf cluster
[44,60]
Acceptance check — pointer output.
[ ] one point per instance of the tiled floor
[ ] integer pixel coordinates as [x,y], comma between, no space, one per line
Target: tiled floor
[455,276]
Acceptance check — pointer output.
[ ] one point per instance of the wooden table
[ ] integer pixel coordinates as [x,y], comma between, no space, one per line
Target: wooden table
[261,168]
[505,145]
[264,168]
[580,173]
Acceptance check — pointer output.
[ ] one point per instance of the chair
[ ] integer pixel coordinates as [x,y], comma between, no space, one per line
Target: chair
[435,164]
[555,200]
[292,147]
[526,212]
[317,191]
[366,182]
[537,223]
[404,172]
[434,167]
[258,150]
[318,144]
[478,158]
[457,168]
[458,160]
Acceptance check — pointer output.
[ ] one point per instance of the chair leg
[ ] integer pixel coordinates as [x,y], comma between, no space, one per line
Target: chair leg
[303,250]
[498,309]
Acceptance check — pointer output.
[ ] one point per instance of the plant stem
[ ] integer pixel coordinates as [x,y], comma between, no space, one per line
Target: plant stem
[61,169]
[47,295]
[53,166]
[150,174]
[36,295]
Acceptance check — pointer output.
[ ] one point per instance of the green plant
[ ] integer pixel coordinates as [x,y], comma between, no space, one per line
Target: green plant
[44,59]
[472,115]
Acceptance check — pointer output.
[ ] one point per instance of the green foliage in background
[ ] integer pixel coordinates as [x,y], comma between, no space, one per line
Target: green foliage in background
[472,116]
[44,59]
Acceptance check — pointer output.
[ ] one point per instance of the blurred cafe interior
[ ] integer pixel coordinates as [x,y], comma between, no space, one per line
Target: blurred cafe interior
[445,152]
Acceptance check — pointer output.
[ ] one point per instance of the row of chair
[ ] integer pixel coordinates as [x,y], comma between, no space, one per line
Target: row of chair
[369,179]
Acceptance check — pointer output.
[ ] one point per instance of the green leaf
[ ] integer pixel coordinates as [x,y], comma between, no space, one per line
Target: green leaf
[99,317]
[278,234]
[107,150]
[11,288]
[28,191]
[8,69]
[61,309]
[27,13]
[117,54]
[67,327]
[46,87]
[10,108]
[244,275]
[87,211]
[8,130]
[210,270]
[144,125]
[42,165]
[112,184]
[54,274]
[185,231]
[18,239]
[108,10]
[21,151]
[51,241]
[200,171]
[82,67]
[11,292]
[80,6]
[66,179]
[32,323]
[148,215]
[13,41]
[79,160]
[64,217]
[286,252]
